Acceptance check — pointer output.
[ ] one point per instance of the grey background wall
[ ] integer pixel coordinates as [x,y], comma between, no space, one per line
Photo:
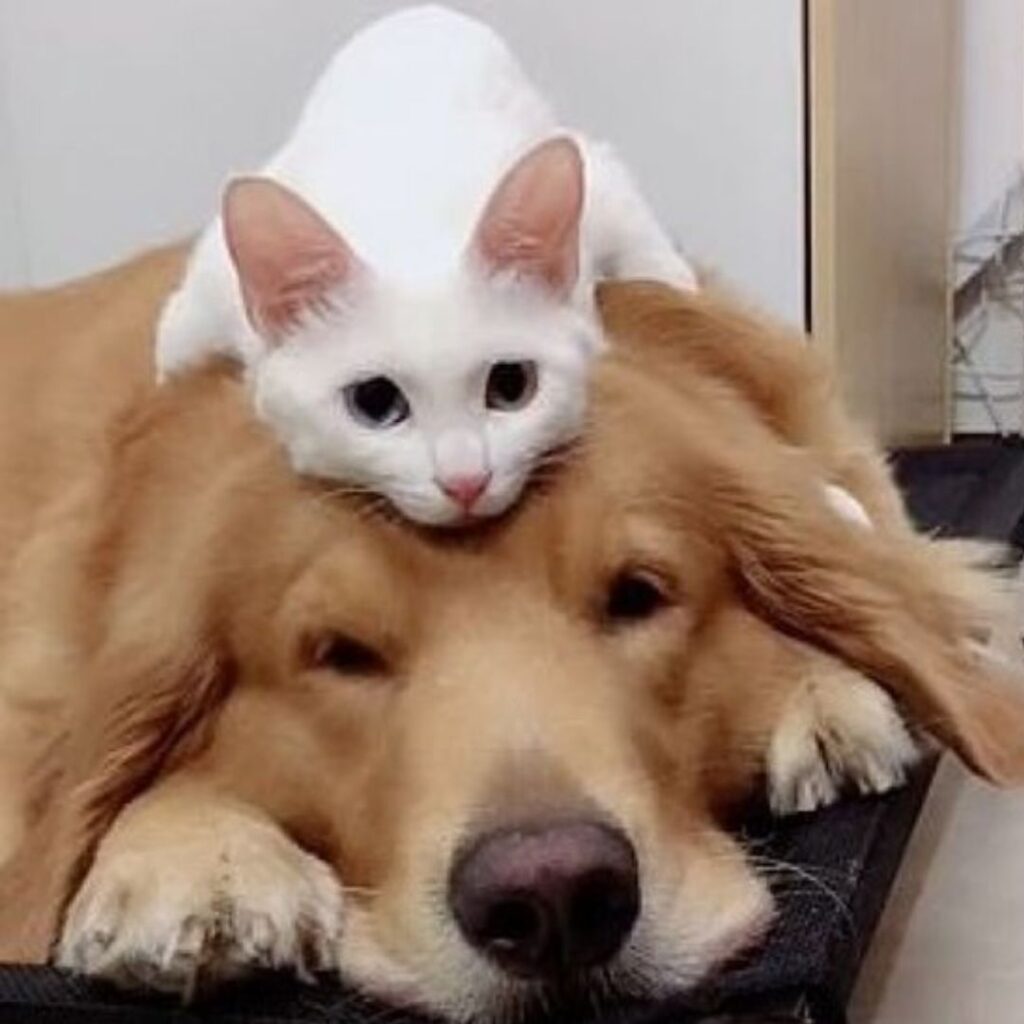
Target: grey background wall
[991,114]
[119,119]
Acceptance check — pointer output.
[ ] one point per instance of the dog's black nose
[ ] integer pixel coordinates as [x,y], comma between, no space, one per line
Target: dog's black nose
[548,900]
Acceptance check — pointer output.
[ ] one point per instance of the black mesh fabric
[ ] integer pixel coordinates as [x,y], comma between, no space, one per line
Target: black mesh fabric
[836,866]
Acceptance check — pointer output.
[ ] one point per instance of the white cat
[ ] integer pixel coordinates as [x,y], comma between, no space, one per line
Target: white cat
[409,281]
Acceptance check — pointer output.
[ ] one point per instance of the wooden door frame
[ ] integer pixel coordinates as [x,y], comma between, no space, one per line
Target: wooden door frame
[881,170]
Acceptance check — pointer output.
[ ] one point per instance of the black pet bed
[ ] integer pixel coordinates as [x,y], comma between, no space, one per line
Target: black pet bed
[846,855]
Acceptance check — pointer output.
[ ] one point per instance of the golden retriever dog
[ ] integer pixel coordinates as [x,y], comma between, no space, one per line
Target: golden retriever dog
[249,721]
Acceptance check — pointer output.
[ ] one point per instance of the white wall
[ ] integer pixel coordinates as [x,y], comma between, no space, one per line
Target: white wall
[13,266]
[125,116]
[986,394]
[705,97]
[991,103]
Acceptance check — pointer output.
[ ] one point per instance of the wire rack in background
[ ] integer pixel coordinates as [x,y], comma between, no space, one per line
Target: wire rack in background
[988,338]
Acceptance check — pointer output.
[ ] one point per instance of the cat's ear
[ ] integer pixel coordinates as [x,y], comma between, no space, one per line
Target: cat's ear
[530,227]
[289,260]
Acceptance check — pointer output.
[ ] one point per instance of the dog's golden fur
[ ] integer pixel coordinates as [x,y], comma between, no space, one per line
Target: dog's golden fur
[223,689]
[788,383]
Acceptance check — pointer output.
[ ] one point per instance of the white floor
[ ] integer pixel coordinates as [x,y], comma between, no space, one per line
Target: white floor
[950,947]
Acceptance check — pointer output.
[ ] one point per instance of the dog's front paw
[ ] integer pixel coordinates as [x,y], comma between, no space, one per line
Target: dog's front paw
[838,731]
[209,906]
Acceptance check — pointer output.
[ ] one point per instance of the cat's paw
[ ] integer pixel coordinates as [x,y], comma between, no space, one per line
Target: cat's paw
[195,914]
[840,731]
[847,507]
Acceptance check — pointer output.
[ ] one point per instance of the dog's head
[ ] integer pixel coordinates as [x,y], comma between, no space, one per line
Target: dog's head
[516,747]
[504,743]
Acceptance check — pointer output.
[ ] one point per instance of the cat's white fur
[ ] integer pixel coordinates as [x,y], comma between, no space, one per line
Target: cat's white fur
[399,150]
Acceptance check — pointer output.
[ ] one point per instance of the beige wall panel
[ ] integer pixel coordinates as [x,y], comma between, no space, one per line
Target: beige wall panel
[882,87]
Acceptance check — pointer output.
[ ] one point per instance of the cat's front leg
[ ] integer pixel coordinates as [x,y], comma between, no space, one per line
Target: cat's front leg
[191,888]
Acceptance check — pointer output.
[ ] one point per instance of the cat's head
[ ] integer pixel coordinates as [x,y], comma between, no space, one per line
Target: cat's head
[441,398]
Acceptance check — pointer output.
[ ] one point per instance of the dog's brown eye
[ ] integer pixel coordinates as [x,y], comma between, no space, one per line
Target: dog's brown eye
[634,596]
[336,652]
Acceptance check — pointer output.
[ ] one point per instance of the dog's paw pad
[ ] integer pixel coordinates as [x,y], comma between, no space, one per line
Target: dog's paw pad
[840,732]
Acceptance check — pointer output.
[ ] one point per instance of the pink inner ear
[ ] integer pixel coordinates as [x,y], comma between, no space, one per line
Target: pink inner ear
[531,224]
[288,258]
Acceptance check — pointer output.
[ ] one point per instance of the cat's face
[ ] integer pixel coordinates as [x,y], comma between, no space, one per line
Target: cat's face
[443,403]
[442,395]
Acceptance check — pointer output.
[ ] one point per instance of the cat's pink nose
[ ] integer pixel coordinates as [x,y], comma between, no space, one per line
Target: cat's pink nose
[465,488]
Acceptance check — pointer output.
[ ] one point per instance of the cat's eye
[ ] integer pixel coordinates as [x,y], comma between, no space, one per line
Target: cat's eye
[511,385]
[336,652]
[377,402]
[634,595]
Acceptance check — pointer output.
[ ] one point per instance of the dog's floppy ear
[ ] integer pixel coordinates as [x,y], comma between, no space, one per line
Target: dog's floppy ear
[134,725]
[896,607]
